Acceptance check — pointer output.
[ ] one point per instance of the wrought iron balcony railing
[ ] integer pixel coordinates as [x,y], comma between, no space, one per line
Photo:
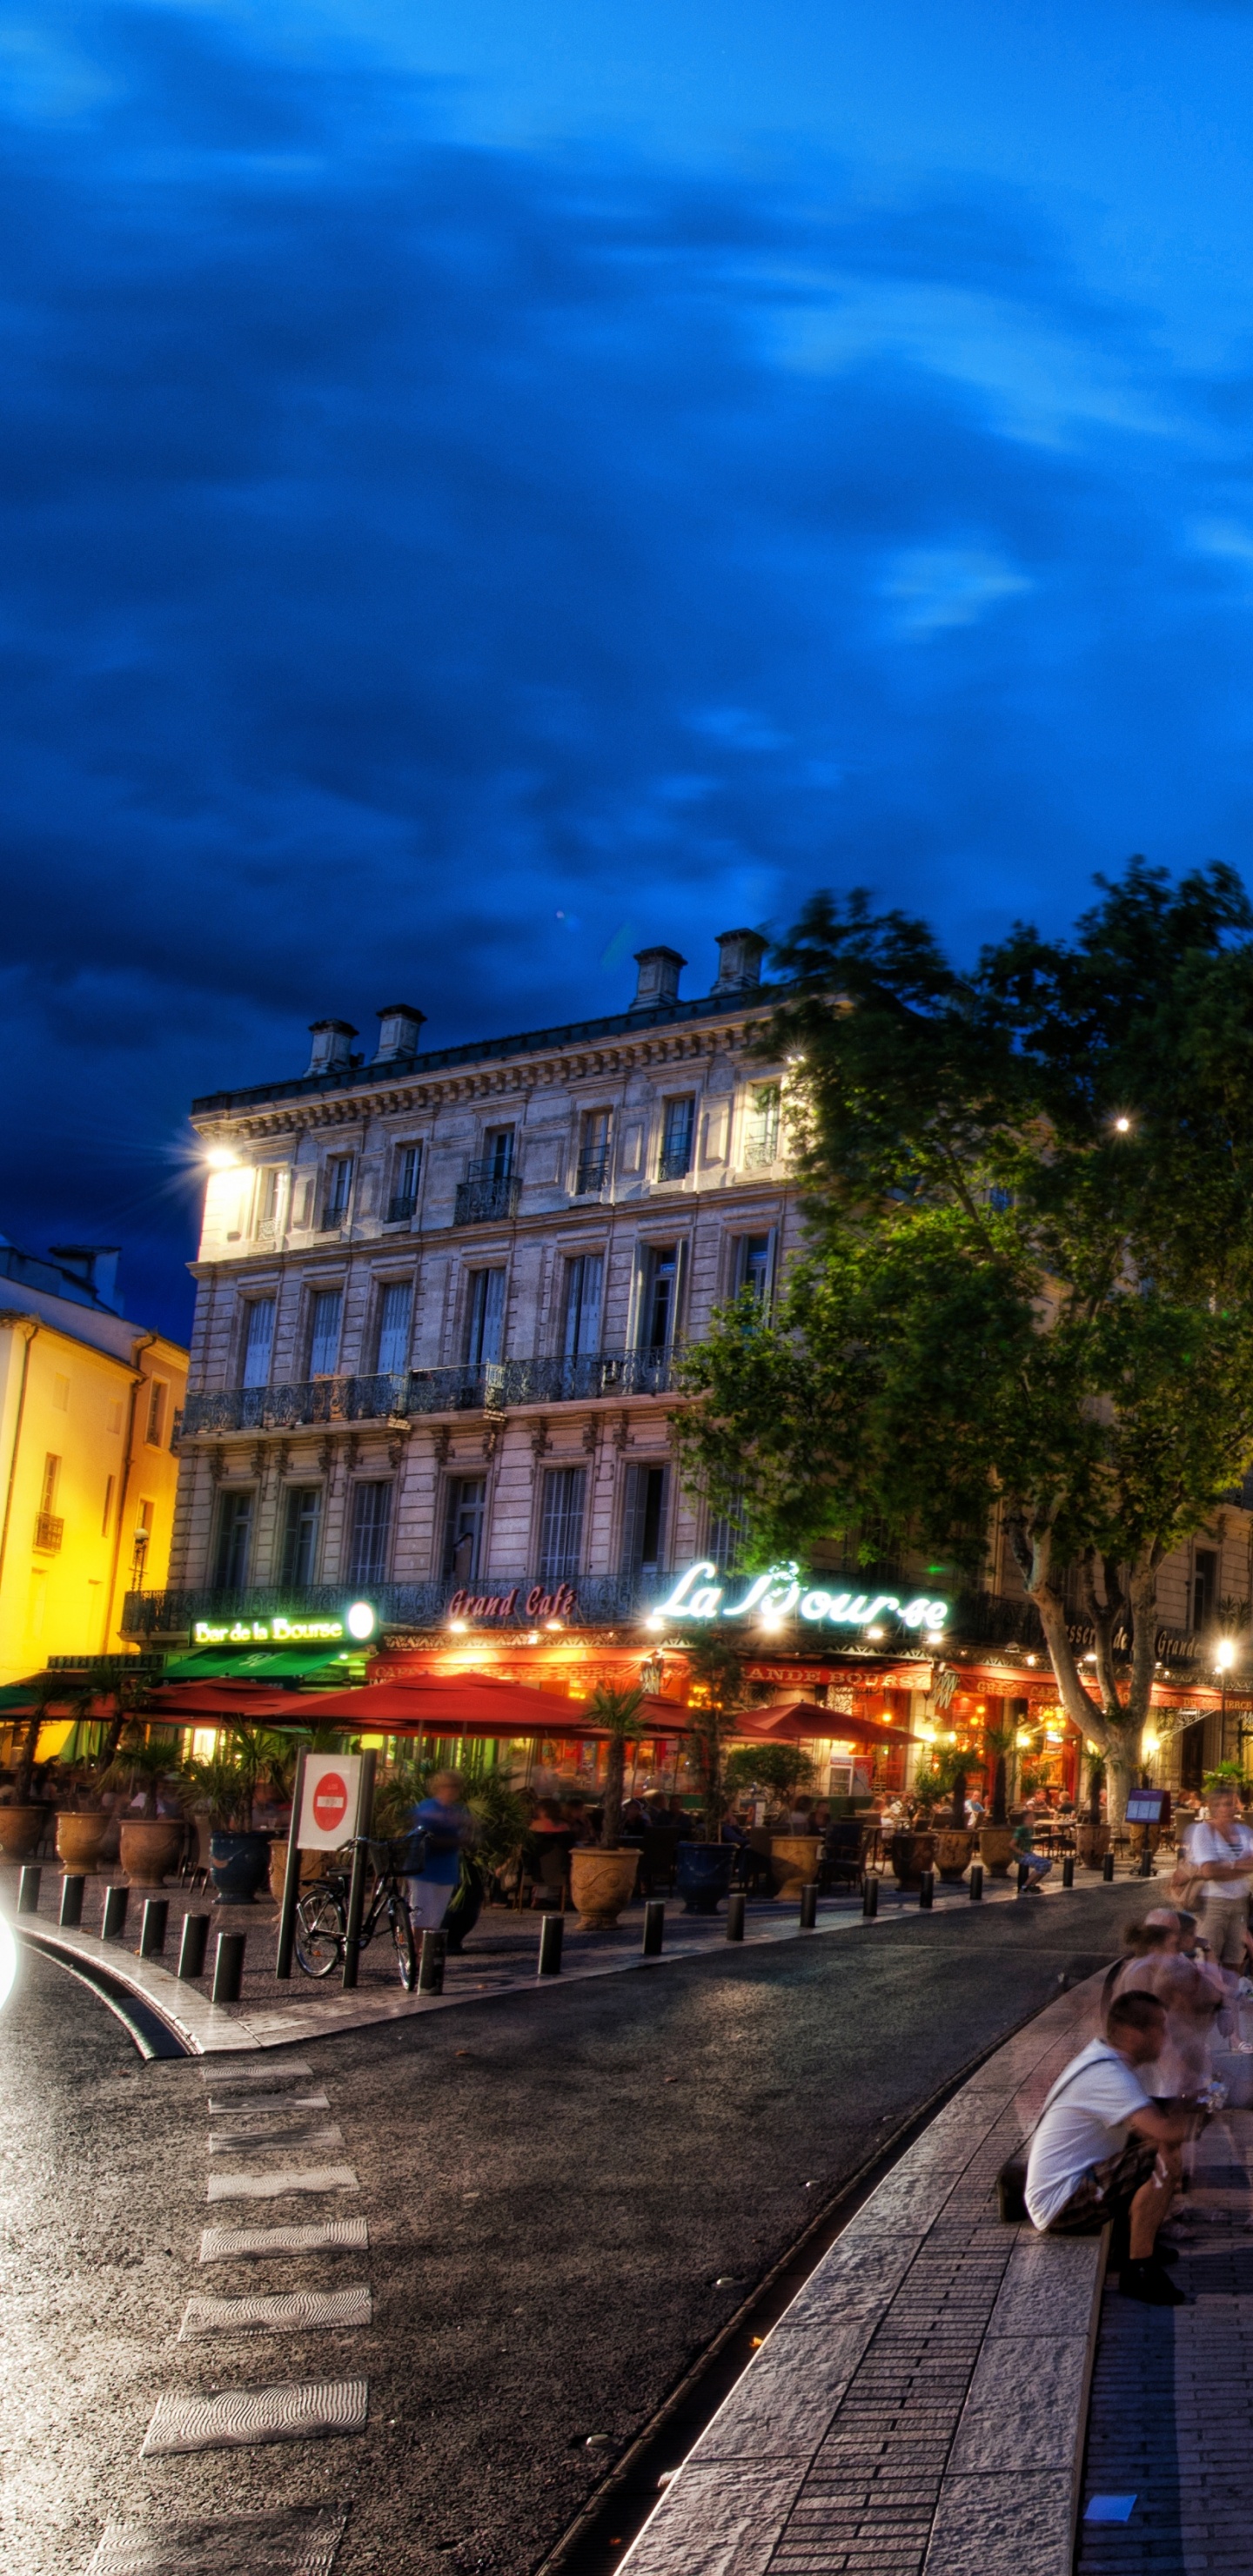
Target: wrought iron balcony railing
[592,1175]
[480,1386]
[484,1200]
[400,1210]
[597,1599]
[49,1532]
[674,1162]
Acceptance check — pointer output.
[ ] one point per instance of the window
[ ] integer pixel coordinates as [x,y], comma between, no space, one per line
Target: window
[496,1160]
[49,1531]
[463,1539]
[405,1178]
[593,1164]
[302,1524]
[324,1313]
[395,1305]
[258,1340]
[660,1283]
[156,1413]
[761,1126]
[230,1561]
[1204,1585]
[485,1323]
[676,1138]
[338,1185]
[48,1488]
[581,1322]
[561,1524]
[754,1265]
[267,1200]
[726,1539]
[644,1520]
[371,1529]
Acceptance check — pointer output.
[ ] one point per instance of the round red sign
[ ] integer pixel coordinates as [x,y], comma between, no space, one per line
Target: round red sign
[330,1802]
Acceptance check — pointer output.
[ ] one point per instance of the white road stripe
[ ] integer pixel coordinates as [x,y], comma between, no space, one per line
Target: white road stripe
[300,2411]
[324,2236]
[271,2186]
[281,2312]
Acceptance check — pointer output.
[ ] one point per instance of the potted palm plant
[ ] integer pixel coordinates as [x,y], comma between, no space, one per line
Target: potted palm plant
[996,1838]
[150,1842]
[912,1850]
[704,1868]
[602,1875]
[239,1859]
[954,1841]
[22,1824]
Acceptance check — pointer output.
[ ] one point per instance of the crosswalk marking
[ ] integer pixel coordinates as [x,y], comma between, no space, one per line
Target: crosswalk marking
[306,2133]
[284,2178]
[279,2312]
[324,2236]
[296,2411]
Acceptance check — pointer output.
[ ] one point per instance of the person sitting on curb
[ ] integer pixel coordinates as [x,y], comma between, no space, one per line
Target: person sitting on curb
[1103,2149]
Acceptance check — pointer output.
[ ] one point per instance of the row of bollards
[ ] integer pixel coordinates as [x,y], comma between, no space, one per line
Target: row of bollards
[228,1968]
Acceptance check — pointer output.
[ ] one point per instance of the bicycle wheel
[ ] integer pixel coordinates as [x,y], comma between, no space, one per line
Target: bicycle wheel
[320,1928]
[406,1950]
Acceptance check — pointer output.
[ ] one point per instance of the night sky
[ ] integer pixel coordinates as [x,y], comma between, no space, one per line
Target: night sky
[487,485]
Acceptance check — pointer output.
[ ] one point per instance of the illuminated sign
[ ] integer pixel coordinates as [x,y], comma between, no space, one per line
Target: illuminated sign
[358,1622]
[541,1602]
[782,1593]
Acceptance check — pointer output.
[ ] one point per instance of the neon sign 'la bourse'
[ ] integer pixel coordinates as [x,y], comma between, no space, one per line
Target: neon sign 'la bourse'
[782,1594]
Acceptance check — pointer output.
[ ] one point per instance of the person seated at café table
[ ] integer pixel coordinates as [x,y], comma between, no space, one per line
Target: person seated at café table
[801,1818]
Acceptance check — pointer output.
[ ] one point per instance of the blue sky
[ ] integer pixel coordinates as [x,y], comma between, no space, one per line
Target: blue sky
[482,487]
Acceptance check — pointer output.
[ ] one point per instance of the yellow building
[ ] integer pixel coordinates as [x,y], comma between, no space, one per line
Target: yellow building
[88,1412]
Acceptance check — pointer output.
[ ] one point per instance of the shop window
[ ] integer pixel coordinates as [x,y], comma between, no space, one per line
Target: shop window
[302,1526]
[561,1524]
[1204,1585]
[463,1542]
[485,1317]
[325,1308]
[371,1532]
[258,1340]
[234,1537]
[644,1520]
[581,1322]
[156,1413]
[661,1281]
[395,1309]
[677,1122]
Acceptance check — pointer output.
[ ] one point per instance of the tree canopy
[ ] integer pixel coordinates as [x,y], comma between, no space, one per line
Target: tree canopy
[1028,1285]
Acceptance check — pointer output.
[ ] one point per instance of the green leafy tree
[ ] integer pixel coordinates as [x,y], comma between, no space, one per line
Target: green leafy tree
[781,1768]
[1028,1293]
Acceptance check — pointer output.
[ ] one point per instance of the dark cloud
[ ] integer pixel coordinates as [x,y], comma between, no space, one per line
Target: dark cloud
[421,561]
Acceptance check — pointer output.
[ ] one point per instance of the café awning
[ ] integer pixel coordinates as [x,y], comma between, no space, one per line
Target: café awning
[262,1664]
[797,1721]
[448,1704]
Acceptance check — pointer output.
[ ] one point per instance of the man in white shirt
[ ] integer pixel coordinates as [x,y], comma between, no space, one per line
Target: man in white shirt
[1221,1850]
[1103,2149]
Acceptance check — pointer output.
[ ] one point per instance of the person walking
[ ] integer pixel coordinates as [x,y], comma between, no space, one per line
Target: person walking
[441,1828]
[1220,1850]
[1102,2148]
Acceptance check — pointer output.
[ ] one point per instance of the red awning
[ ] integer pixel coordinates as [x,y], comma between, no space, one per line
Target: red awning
[444,1704]
[795,1721]
[192,1702]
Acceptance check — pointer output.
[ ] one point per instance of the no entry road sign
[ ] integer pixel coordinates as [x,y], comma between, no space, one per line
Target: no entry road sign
[331,1800]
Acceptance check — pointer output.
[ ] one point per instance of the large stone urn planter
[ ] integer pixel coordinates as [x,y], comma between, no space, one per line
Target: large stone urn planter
[1092,1843]
[20,1830]
[150,1846]
[79,1837]
[601,1883]
[910,1854]
[239,1866]
[312,1865]
[704,1875]
[953,1849]
[794,1861]
[996,1848]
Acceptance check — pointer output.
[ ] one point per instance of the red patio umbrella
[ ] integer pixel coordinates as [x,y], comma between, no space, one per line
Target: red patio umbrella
[791,1721]
[193,1701]
[469,1704]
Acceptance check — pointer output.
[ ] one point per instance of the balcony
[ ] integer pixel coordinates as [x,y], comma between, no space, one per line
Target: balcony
[49,1532]
[675,1161]
[400,1211]
[481,1386]
[761,1150]
[486,1195]
[592,1176]
[599,1599]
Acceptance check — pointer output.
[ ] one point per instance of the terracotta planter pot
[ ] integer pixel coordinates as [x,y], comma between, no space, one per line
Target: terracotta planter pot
[602,1882]
[910,1854]
[793,1861]
[20,1831]
[312,1865]
[953,1849]
[79,1837]
[1092,1843]
[150,1846]
[996,1848]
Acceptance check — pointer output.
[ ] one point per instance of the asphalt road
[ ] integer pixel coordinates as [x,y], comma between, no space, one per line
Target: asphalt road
[553,2183]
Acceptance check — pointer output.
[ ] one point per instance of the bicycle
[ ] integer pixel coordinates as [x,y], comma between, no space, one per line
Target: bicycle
[322,1916]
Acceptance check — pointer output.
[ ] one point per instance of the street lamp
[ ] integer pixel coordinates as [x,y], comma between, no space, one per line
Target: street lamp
[1224,1657]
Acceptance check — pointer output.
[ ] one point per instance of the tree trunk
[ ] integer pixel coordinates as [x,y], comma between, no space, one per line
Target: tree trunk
[1122,1770]
[611,1804]
[1000,1783]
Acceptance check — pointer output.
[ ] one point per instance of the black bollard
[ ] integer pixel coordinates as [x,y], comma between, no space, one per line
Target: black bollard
[152,1930]
[654,1927]
[869,1898]
[28,1891]
[431,1958]
[1024,1875]
[1068,1870]
[926,1893]
[809,1906]
[192,1947]
[1146,1863]
[735,1915]
[551,1935]
[976,1883]
[113,1925]
[228,1969]
[72,1900]
[1107,1868]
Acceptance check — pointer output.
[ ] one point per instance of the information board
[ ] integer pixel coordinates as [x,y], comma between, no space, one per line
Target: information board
[1144,1806]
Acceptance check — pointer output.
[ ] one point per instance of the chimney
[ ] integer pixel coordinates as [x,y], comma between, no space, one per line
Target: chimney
[400,1031]
[332,1046]
[660,969]
[740,953]
[95,1265]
